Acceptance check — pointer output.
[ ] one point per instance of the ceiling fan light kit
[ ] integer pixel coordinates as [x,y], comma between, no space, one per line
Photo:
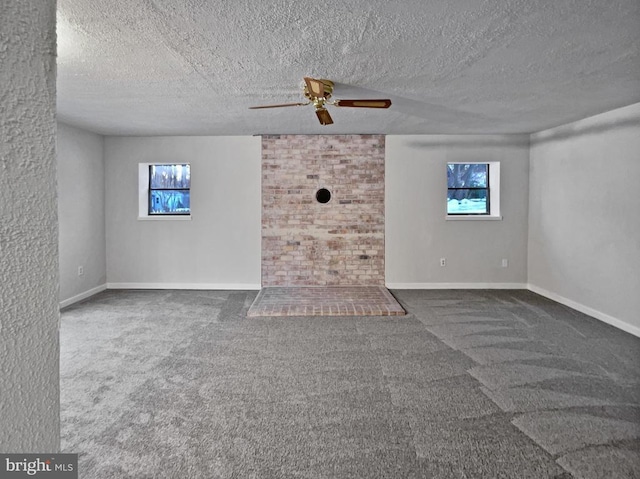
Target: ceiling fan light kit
[318,92]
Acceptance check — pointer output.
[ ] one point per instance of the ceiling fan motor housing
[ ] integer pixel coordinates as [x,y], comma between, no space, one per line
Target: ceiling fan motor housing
[328,90]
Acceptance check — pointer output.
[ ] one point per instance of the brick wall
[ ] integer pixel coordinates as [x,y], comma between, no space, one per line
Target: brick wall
[308,243]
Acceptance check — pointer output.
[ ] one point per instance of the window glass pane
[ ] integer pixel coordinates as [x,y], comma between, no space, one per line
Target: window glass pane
[467,202]
[467,175]
[170,202]
[170,176]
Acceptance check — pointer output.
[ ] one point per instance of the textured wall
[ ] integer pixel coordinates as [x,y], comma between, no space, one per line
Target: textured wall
[418,234]
[81,211]
[584,223]
[305,242]
[29,315]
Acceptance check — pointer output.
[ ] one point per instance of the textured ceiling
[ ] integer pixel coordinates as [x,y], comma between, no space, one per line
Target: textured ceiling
[193,67]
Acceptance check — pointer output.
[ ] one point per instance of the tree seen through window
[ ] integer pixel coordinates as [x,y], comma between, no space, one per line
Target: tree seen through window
[468,189]
[170,189]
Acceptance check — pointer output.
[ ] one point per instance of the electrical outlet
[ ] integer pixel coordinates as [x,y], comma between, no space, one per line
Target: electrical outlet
[80,270]
[443,261]
[505,262]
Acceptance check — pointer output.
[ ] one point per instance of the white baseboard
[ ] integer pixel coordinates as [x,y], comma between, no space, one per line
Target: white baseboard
[615,322]
[81,296]
[456,285]
[605,318]
[195,286]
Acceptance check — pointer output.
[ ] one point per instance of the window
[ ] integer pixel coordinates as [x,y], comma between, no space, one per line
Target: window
[164,191]
[473,190]
[468,189]
[169,190]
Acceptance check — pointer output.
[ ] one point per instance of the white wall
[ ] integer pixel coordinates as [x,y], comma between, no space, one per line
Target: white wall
[219,247]
[29,311]
[417,233]
[81,213]
[584,227]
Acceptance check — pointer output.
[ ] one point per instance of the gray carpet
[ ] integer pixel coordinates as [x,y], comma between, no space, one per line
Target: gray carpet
[470,384]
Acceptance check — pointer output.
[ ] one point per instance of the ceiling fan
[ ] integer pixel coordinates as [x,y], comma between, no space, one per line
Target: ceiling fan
[318,93]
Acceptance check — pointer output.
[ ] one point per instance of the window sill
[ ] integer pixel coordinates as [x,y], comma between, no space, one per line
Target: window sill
[473,218]
[165,218]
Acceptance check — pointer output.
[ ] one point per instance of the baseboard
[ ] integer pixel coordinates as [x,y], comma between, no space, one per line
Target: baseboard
[195,286]
[81,296]
[456,285]
[605,318]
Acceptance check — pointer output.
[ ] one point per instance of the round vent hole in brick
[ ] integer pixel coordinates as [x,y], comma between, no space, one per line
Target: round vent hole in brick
[323,195]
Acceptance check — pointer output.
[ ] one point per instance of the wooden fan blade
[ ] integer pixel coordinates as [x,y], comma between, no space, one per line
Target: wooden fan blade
[277,106]
[315,87]
[364,103]
[324,117]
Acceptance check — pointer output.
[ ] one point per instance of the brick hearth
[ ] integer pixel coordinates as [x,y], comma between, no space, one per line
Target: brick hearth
[325,301]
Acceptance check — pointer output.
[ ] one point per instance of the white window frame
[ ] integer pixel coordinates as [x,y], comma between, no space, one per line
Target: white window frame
[143,195]
[494,193]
